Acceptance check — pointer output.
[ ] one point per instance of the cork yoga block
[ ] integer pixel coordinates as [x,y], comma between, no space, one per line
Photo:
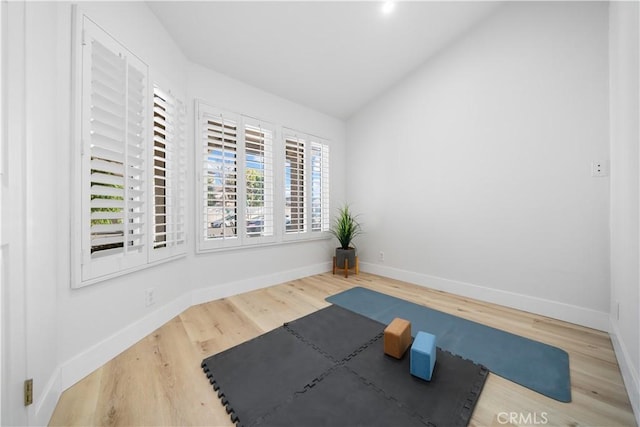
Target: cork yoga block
[397,337]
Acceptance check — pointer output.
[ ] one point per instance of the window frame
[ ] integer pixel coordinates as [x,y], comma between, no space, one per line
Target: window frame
[280,236]
[89,270]
[83,29]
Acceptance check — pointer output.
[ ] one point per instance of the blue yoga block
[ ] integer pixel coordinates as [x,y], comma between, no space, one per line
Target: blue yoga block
[423,355]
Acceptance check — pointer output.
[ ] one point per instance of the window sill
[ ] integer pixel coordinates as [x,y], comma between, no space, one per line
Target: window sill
[286,240]
[96,280]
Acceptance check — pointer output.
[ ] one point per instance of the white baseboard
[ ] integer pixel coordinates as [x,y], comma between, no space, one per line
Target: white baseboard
[629,373]
[81,365]
[211,293]
[556,310]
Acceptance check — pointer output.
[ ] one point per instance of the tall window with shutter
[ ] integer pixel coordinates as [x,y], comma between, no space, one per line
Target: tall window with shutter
[219,156]
[258,172]
[130,179]
[169,175]
[294,187]
[113,167]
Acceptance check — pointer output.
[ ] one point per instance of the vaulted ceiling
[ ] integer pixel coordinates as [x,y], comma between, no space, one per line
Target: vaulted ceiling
[331,56]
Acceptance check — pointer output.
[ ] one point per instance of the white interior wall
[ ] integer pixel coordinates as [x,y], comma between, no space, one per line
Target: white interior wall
[473,174]
[624,56]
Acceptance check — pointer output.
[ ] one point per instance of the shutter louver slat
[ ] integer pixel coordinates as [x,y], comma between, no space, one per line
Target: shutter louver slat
[106,179]
[105,253]
[107,204]
[105,57]
[108,228]
[105,166]
[107,241]
[107,96]
[105,75]
[107,131]
[107,155]
[100,215]
[99,140]
[105,112]
[107,191]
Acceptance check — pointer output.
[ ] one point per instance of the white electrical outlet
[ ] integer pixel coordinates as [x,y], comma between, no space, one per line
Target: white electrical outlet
[381,256]
[599,169]
[149,297]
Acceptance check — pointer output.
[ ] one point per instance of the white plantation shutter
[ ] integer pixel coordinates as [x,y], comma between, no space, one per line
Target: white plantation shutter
[169,176]
[319,187]
[219,157]
[250,195]
[295,170]
[114,132]
[258,172]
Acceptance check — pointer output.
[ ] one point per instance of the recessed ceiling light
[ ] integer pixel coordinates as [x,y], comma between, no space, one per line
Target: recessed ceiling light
[387,7]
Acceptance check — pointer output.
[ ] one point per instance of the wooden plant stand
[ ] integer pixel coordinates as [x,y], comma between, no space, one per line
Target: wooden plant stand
[346,266]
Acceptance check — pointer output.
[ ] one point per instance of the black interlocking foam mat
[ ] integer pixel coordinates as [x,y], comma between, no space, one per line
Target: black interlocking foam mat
[451,378]
[335,331]
[261,373]
[328,368]
[342,398]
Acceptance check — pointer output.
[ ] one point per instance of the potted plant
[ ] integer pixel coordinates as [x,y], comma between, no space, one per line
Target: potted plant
[345,228]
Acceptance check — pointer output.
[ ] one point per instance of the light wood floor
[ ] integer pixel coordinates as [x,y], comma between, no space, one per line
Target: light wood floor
[158,381]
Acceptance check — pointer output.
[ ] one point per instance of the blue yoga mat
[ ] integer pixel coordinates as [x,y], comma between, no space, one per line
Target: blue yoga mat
[532,364]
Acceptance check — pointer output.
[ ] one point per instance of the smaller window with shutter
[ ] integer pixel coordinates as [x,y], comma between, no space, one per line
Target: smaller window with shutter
[169,175]
[319,187]
[306,189]
[258,183]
